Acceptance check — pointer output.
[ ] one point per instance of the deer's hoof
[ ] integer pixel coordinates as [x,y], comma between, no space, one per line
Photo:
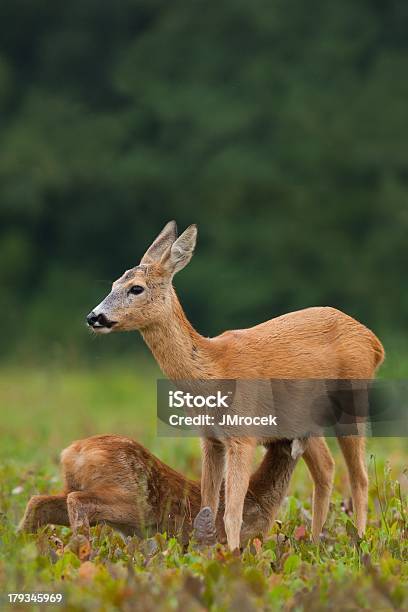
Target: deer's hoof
[204,531]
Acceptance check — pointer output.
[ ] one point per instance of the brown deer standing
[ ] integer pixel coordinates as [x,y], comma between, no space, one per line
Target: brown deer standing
[319,342]
[113,479]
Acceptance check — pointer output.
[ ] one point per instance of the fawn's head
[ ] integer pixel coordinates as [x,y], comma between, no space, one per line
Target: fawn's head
[142,295]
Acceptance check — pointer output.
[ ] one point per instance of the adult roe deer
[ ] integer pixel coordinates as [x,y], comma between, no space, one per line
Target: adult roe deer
[318,342]
[114,479]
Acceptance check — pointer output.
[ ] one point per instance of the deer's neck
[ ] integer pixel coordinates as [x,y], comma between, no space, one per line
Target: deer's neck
[180,351]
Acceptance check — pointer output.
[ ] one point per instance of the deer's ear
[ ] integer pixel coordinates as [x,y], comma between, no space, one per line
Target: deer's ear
[163,241]
[181,251]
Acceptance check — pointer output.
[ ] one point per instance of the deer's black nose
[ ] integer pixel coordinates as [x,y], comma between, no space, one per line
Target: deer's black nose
[99,320]
[92,318]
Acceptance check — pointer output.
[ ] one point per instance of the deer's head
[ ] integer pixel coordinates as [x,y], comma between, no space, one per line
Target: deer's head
[142,295]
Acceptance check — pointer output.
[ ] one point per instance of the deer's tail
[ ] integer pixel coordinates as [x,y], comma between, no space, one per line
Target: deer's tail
[378,350]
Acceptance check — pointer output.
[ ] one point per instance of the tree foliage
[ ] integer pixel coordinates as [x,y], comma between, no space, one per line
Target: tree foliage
[279,127]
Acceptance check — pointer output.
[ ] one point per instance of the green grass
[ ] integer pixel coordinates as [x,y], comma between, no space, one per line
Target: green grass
[44,409]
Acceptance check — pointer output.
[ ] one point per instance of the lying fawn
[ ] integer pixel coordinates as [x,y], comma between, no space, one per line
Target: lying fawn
[113,479]
[318,342]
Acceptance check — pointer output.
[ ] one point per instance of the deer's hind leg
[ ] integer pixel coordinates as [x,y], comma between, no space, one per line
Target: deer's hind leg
[86,509]
[44,510]
[353,449]
[320,463]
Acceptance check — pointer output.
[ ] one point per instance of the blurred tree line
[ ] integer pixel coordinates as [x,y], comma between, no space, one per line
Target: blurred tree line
[280,127]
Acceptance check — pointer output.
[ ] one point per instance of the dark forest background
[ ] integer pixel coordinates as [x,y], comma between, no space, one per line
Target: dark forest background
[280,127]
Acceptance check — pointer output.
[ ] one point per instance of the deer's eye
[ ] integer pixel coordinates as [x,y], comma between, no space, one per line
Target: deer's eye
[136,289]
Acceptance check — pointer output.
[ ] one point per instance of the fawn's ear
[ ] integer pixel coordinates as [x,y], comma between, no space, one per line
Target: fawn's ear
[181,251]
[162,243]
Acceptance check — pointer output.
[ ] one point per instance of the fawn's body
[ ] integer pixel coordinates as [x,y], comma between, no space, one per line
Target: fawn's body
[114,479]
[319,342]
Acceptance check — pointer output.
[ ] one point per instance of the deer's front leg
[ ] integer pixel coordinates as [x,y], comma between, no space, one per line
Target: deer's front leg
[212,473]
[239,457]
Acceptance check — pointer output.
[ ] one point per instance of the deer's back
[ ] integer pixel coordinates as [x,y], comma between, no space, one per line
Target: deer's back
[106,463]
[319,342]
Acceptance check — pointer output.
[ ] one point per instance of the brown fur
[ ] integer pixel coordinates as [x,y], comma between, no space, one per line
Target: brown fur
[114,479]
[319,342]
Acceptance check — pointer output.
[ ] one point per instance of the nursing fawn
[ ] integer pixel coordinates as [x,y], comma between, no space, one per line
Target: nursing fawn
[315,343]
[114,480]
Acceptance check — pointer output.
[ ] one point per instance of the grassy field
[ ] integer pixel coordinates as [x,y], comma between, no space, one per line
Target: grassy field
[43,409]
